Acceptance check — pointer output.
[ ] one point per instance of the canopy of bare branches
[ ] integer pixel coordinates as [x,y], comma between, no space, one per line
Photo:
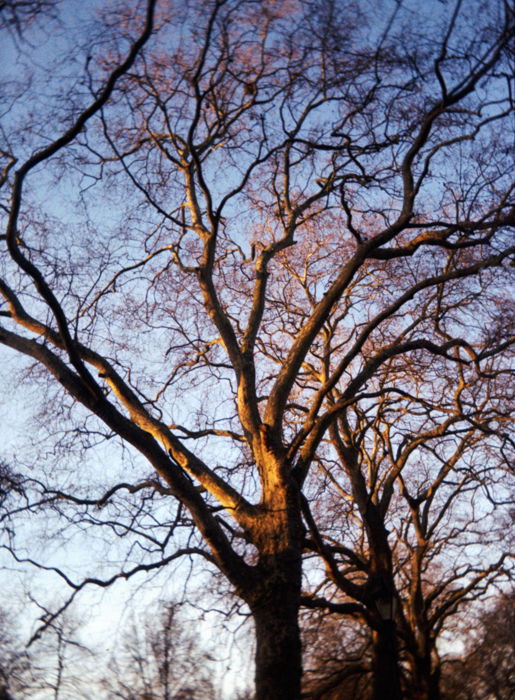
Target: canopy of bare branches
[256,259]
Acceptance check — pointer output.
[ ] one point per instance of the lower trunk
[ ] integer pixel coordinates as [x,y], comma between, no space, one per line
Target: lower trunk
[385,664]
[278,646]
[426,682]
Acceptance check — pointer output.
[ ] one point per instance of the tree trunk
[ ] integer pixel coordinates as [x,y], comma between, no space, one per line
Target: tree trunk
[385,663]
[426,681]
[278,647]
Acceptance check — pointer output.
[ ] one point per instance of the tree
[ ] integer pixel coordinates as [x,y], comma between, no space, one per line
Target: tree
[54,667]
[295,198]
[18,14]
[337,659]
[161,661]
[485,670]
[443,541]
[14,662]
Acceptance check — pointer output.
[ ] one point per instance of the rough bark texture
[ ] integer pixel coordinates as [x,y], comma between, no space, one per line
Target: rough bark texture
[386,676]
[278,647]
[426,681]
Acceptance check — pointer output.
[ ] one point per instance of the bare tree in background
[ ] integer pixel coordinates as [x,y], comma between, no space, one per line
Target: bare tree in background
[485,670]
[14,662]
[337,658]
[247,248]
[161,659]
[444,541]
[18,15]
[55,666]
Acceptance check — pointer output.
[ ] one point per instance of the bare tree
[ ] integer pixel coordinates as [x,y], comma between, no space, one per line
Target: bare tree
[161,660]
[56,666]
[14,661]
[337,659]
[274,213]
[485,670]
[17,15]
[413,557]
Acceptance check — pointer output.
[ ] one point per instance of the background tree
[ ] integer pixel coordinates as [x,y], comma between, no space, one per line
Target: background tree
[17,15]
[442,539]
[161,661]
[485,670]
[54,667]
[337,659]
[292,195]
[14,662]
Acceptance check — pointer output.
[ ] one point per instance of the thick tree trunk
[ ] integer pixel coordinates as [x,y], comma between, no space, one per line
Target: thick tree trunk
[426,681]
[278,647]
[434,685]
[386,672]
